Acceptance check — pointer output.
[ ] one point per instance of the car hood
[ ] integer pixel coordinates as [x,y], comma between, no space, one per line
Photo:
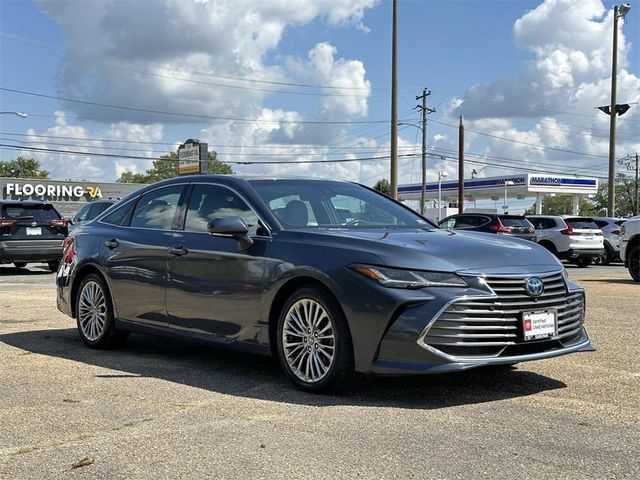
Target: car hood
[442,250]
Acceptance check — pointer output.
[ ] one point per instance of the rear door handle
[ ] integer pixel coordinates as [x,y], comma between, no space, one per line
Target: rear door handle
[113,243]
[178,250]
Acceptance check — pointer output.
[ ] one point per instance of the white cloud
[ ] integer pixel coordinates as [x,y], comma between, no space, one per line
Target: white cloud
[112,139]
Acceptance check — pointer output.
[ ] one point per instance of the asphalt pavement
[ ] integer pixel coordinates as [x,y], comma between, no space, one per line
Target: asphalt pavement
[167,409]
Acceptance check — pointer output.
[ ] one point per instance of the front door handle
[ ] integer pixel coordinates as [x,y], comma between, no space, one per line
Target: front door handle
[111,244]
[178,250]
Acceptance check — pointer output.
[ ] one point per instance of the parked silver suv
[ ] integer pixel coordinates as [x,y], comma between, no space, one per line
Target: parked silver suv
[630,246]
[611,230]
[577,239]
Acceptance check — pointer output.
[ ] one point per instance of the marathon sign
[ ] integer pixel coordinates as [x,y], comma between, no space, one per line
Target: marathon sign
[561,184]
[45,191]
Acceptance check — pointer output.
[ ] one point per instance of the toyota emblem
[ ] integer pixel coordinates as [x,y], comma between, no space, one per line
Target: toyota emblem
[534,286]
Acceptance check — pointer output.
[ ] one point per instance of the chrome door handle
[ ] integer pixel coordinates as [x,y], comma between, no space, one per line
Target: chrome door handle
[113,243]
[178,250]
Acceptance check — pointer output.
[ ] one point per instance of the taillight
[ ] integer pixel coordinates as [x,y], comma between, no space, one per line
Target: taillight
[68,250]
[59,222]
[568,231]
[6,222]
[616,232]
[499,227]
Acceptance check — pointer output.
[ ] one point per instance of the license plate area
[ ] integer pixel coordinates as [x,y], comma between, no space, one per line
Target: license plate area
[34,231]
[539,324]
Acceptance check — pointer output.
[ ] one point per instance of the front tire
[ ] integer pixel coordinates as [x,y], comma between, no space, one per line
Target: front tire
[94,315]
[633,262]
[314,343]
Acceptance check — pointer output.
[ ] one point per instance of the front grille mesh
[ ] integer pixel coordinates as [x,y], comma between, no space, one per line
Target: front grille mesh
[492,326]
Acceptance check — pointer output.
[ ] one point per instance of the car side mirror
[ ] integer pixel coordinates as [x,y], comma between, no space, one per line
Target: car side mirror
[231,227]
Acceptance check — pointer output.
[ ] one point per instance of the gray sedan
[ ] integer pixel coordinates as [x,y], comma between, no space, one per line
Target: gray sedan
[331,277]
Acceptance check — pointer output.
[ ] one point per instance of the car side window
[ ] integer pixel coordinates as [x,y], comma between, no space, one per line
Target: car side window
[215,201]
[94,211]
[118,215]
[157,209]
[82,214]
[465,221]
[448,223]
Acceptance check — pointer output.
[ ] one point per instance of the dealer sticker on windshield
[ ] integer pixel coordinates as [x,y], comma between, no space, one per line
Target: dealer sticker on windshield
[539,324]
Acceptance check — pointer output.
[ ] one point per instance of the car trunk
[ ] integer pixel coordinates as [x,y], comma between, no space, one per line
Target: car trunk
[32,222]
[584,233]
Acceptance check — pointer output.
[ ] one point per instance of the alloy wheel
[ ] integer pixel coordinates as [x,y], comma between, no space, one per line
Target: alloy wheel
[92,311]
[308,339]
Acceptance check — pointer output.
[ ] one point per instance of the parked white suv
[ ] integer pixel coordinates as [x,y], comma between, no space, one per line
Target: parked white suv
[630,246]
[612,236]
[577,239]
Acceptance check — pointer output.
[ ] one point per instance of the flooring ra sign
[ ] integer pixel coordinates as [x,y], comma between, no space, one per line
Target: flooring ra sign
[50,192]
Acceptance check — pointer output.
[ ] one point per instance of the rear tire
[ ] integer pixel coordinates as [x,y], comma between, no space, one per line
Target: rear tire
[94,315]
[608,255]
[19,264]
[53,265]
[633,262]
[314,343]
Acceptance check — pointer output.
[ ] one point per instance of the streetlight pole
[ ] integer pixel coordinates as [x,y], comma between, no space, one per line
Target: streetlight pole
[440,175]
[394,103]
[17,114]
[620,11]
[505,207]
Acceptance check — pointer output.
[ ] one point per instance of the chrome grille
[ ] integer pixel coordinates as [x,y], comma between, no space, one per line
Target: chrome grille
[492,326]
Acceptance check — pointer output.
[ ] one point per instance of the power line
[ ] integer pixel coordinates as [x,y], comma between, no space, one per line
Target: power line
[237,162]
[190,115]
[522,143]
[59,50]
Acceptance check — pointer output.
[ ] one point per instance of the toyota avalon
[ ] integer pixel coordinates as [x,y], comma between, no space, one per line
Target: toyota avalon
[329,276]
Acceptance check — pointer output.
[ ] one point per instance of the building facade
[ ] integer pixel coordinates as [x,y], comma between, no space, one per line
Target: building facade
[68,197]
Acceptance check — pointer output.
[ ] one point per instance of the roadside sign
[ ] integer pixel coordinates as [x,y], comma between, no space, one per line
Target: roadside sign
[192,156]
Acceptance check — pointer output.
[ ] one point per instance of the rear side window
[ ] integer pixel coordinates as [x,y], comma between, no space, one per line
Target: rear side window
[542,223]
[515,222]
[578,223]
[36,213]
[619,222]
[470,221]
[157,209]
[601,223]
[82,214]
[118,215]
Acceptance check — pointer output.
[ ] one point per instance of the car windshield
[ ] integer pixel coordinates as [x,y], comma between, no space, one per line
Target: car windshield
[37,213]
[328,204]
[515,221]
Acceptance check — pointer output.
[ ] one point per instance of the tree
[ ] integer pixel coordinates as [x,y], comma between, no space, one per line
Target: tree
[625,191]
[383,186]
[167,167]
[22,167]
[562,205]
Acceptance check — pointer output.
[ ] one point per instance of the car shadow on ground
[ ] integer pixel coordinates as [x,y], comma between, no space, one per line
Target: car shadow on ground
[28,270]
[255,376]
[624,281]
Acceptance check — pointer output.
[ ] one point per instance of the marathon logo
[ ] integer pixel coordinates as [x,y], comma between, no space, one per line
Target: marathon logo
[50,191]
[546,181]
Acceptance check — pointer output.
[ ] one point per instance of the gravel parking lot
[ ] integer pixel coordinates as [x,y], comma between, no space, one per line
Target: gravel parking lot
[168,409]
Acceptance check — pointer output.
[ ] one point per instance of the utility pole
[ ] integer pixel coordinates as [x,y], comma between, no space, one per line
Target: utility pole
[394,103]
[618,12]
[461,166]
[629,160]
[424,110]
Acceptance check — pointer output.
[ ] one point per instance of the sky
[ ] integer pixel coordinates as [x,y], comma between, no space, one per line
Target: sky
[295,81]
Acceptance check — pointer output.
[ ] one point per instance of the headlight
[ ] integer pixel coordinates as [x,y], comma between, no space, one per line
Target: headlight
[396,278]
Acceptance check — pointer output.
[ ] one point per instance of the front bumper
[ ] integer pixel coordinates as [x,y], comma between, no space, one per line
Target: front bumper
[30,251]
[421,341]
